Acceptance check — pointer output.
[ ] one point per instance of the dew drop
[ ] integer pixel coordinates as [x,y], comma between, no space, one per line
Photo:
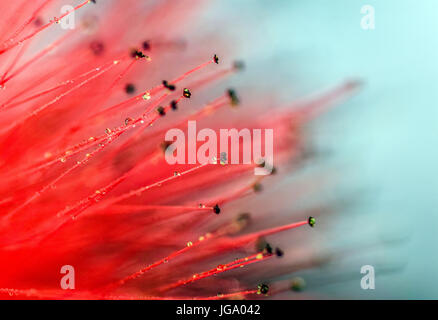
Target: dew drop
[187,93]
[262,288]
[128,121]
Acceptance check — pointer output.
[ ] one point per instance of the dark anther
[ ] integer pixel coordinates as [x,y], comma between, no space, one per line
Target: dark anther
[166,84]
[129,88]
[257,187]
[97,47]
[216,59]
[260,244]
[279,252]
[137,54]
[268,249]
[146,45]
[174,105]
[263,288]
[216,209]
[187,93]
[161,111]
[233,97]
[38,22]
[94,1]
[239,65]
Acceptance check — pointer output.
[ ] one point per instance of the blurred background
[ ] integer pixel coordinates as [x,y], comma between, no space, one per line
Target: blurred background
[380,145]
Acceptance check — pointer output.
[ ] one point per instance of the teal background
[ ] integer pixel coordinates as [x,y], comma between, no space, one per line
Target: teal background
[383,142]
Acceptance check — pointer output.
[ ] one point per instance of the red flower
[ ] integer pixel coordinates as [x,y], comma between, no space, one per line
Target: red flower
[84,181]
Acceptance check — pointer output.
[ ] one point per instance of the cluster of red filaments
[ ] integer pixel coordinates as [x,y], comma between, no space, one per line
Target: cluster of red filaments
[84,181]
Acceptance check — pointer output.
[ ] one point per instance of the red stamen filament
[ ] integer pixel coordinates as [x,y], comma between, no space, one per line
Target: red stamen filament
[151,92]
[153,185]
[58,98]
[31,35]
[13,64]
[28,21]
[73,150]
[38,56]
[56,180]
[123,73]
[189,246]
[229,266]
[58,86]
